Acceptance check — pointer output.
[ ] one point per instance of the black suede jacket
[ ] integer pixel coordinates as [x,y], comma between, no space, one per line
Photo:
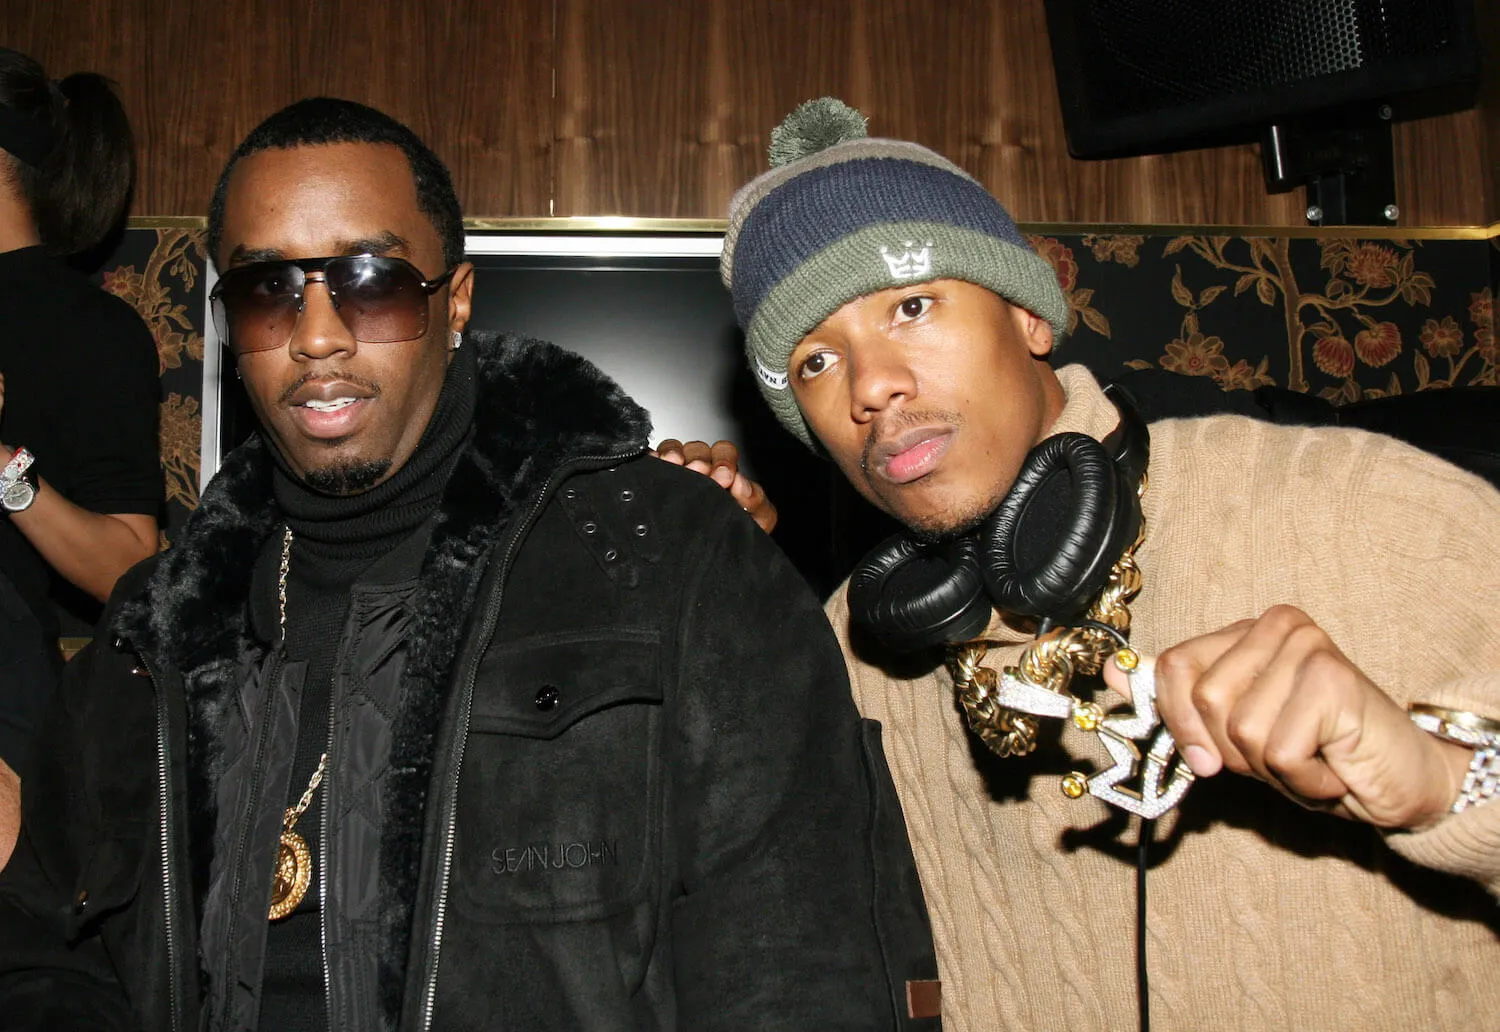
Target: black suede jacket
[595,767]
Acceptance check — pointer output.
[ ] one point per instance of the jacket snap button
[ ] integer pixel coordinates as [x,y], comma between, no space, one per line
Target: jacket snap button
[640,530]
[627,495]
[611,555]
[590,527]
[570,494]
[81,901]
[547,697]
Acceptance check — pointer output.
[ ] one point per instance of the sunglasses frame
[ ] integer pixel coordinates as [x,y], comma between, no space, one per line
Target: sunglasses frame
[305,266]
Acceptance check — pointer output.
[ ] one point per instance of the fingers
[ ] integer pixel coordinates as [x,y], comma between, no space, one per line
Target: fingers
[1306,731]
[1118,681]
[720,462]
[1241,697]
[724,457]
[752,498]
[1179,672]
[670,450]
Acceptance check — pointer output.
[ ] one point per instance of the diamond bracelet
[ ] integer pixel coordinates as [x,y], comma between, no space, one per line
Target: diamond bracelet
[1482,781]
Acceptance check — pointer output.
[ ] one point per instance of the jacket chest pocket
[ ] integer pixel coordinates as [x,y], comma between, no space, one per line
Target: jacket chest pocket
[560,794]
[108,881]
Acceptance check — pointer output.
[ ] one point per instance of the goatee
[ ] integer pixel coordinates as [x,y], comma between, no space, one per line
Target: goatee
[347,478]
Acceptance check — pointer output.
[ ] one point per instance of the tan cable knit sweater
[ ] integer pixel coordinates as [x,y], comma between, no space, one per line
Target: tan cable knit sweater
[1262,915]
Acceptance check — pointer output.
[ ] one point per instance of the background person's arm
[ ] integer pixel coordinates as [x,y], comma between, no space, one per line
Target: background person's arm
[105,522]
[88,549]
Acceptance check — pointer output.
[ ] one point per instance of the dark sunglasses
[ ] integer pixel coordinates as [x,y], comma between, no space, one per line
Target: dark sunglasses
[380,300]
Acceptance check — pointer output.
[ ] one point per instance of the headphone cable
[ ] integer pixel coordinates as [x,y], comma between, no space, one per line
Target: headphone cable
[1143,987]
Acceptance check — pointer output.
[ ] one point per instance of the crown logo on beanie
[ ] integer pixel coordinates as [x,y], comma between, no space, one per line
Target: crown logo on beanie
[909,264]
[815,126]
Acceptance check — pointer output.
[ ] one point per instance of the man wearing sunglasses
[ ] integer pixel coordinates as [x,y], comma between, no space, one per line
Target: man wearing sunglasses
[447,709]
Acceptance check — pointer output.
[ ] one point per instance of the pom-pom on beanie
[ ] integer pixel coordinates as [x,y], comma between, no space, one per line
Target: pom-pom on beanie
[841,215]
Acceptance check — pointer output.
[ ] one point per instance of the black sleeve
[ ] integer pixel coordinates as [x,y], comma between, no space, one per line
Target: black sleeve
[29,669]
[53,975]
[116,392]
[802,906]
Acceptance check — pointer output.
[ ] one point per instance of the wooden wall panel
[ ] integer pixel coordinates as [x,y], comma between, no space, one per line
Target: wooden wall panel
[474,79]
[1440,170]
[663,107]
[1489,106]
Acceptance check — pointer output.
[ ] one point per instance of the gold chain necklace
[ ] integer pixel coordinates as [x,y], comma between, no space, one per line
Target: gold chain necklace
[293,858]
[1050,662]
[1147,777]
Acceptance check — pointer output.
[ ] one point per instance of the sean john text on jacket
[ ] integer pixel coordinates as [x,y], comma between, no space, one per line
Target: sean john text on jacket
[553,856]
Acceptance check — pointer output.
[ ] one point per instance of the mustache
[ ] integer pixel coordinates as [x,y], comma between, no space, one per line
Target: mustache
[306,378]
[899,422]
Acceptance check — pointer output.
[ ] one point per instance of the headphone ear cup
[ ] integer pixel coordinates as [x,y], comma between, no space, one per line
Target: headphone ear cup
[912,596]
[1042,548]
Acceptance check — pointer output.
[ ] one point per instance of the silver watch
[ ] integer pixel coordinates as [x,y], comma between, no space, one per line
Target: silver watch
[17,482]
[1482,734]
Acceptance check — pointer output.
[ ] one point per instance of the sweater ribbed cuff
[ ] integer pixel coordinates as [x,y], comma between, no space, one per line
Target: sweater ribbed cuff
[1466,844]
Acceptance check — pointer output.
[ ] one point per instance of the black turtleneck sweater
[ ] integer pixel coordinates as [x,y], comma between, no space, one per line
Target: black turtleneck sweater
[338,541]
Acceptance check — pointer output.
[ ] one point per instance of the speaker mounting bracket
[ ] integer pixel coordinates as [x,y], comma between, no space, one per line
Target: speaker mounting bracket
[1344,159]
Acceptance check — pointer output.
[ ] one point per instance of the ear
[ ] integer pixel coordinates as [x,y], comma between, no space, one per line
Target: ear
[460,296]
[1036,331]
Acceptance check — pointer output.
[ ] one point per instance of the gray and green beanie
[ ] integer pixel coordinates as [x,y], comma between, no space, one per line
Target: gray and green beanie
[841,215]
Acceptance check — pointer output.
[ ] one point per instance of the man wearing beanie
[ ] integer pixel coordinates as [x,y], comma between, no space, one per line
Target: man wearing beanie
[447,709]
[1332,864]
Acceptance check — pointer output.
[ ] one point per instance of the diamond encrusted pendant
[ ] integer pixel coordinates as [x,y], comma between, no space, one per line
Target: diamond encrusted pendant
[293,872]
[1147,777]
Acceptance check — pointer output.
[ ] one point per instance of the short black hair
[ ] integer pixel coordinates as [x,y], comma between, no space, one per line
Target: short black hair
[319,120]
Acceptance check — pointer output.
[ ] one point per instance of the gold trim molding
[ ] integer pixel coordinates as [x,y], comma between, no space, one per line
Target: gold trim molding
[628,224]
[166,222]
[596,224]
[1489,232]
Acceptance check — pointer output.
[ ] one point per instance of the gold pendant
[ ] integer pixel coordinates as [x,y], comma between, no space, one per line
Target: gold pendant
[293,874]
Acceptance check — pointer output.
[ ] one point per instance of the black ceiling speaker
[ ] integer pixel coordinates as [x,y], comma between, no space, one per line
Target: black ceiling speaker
[1317,81]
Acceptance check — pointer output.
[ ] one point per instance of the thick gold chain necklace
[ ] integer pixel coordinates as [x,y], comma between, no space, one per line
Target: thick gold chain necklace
[1004,709]
[293,858]
[1050,662]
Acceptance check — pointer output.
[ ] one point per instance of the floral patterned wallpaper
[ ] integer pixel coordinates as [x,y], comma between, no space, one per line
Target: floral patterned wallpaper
[160,272]
[1340,317]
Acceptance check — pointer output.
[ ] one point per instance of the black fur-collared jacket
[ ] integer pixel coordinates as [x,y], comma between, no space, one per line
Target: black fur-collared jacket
[594,767]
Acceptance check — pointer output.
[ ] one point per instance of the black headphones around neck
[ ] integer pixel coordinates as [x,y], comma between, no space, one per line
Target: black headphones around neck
[1046,550]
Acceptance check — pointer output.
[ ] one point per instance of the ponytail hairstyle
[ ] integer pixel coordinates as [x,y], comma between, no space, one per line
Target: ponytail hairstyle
[70,151]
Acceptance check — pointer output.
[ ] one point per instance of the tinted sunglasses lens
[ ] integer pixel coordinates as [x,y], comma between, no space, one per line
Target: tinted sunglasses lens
[255,307]
[381,300]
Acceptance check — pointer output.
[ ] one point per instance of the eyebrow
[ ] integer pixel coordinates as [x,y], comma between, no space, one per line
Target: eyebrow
[382,243]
